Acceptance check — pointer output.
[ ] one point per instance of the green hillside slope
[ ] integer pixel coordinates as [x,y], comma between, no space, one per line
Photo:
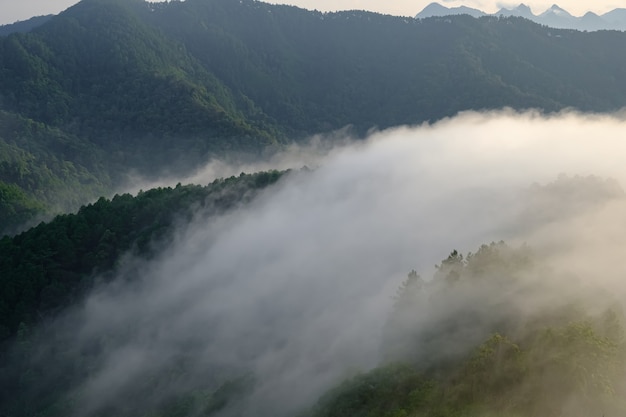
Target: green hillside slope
[487,358]
[47,267]
[164,86]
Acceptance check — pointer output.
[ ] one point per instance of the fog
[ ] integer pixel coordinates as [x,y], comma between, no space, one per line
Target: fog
[295,288]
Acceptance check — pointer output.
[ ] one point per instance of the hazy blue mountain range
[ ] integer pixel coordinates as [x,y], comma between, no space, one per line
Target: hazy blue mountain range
[438,10]
[555,16]
[112,86]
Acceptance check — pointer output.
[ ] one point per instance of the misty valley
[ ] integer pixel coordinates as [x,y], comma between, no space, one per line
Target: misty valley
[232,208]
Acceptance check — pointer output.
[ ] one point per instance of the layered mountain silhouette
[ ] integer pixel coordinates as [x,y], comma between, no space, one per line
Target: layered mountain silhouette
[555,16]
[112,86]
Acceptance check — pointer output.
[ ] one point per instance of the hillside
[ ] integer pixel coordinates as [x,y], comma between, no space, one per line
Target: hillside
[50,269]
[272,294]
[24,26]
[245,298]
[43,170]
[314,71]
[164,86]
[47,267]
[457,344]
[558,359]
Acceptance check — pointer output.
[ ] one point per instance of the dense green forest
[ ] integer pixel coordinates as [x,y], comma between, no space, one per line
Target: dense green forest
[50,266]
[43,170]
[488,357]
[566,358]
[110,86]
[477,338]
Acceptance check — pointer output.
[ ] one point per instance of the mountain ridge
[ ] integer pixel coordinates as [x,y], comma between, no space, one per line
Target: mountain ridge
[114,85]
[109,87]
[554,16]
[23,26]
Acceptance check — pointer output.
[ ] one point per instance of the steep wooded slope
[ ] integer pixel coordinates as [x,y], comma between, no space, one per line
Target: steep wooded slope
[149,87]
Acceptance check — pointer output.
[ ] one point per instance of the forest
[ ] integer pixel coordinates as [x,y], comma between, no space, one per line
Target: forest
[565,357]
[304,285]
[112,86]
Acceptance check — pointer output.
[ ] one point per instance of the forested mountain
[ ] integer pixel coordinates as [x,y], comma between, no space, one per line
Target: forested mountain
[147,86]
[44,169]
[460,343]
[557,359]
[198,300]
[24,25]
[48,266]
[52,267]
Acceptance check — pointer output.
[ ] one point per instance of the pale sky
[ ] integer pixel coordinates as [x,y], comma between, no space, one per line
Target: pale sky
[13,10]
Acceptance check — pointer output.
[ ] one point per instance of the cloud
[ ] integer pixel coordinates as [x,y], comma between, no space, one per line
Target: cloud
[296,288]
[293,156]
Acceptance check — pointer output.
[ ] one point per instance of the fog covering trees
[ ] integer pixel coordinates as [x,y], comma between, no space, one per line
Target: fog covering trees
[470,345]
[50,266]
[262,309]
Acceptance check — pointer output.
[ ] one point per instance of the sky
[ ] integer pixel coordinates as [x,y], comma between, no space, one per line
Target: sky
[11,10]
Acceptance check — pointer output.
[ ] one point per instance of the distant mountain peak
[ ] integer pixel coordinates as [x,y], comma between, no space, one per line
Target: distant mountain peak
[522,10]
[555,16]
[590,15]
[436,9]
[556,10]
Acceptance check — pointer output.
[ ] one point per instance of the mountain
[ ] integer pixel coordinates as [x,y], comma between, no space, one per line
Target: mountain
[505,374]
[555,17]
[616,18]
[449,348]
[98,234]
[521,11]
[24,25]
[111,87]
[50,268]
[435,9]
[141,305]
[591,21]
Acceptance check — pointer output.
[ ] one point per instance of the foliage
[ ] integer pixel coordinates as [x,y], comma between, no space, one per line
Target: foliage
[152,86]
[560,360]
[44,171]
[47,267]
[17,207]
[389,391]
[24,26]
[571,366]
[110,86]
